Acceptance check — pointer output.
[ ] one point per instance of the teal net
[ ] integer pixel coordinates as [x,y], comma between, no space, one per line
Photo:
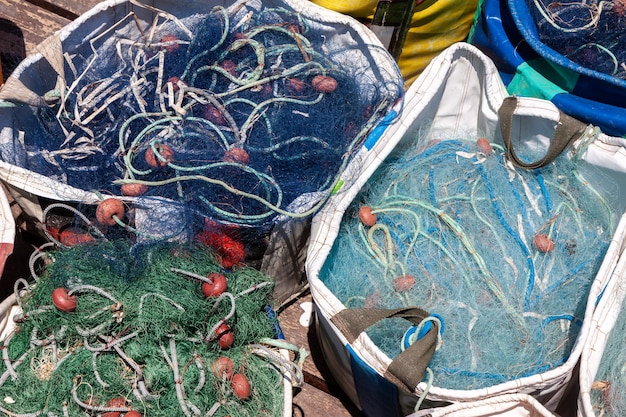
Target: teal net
[502,257]
[607,390]
[106,329]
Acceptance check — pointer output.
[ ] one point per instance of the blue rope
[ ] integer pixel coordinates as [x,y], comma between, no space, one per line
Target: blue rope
[514,235]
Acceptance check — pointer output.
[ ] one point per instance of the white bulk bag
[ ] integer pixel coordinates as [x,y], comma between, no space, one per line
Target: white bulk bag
[460,93]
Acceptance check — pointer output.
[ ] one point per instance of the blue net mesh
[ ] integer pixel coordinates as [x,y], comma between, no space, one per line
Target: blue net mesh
[591,34]
[233,117]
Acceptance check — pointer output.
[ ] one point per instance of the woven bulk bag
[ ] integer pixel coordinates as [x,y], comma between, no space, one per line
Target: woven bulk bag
[466,161]
[601,372]
[229,123]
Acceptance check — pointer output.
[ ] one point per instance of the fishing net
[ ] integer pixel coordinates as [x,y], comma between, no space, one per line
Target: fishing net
[106,329]
[501,257]
[589,33]
[607,389]
[206,120]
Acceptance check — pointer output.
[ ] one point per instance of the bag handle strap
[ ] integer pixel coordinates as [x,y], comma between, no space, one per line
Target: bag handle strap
[407,369]
[567,130]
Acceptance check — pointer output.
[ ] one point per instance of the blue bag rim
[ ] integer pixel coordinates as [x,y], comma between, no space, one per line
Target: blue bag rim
[521,16]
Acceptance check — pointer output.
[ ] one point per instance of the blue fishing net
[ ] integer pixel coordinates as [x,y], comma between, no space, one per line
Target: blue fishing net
[239,115]
[501,256]
[589,33]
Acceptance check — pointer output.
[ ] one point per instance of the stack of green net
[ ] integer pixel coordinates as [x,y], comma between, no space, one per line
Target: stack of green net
[142,337]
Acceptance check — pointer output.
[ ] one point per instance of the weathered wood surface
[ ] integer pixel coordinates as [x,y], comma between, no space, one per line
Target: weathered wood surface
[69,9]
[320,395]
[24,24]
[22,27]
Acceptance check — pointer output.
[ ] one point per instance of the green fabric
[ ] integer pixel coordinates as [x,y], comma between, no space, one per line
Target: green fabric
[537,78]
[477,14]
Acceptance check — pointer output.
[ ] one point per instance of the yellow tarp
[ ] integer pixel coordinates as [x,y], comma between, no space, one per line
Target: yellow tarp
[436,24]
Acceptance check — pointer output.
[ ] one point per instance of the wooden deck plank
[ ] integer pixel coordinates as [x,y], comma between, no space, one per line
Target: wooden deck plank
[22,20]
[69,9]
[311,402]
[294,321]
[24,24]
[22,27]
[320,396]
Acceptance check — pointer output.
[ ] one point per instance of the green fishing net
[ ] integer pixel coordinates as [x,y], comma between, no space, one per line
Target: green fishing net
[129,328]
